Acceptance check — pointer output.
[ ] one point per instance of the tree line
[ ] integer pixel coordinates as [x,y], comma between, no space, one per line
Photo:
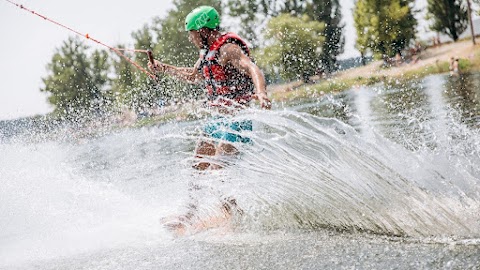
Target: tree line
[300,38]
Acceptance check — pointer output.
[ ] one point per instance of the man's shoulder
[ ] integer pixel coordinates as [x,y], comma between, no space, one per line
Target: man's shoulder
[232,42]
[230,46]
[230,51]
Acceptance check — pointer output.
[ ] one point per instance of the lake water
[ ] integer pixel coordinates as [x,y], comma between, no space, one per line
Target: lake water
[377,177]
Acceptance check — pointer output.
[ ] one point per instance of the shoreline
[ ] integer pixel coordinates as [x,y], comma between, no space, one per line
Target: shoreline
[433,60]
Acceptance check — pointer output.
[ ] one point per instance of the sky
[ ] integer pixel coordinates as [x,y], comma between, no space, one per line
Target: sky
[27,42]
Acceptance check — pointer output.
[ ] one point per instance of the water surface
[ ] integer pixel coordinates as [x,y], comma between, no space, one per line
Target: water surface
[376,177]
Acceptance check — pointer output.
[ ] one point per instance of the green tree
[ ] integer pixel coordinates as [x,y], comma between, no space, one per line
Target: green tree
[385,27]
[449,17]
[296,46]
[329,12]
[253,13]
[250,14]
[78,81]
[365,29]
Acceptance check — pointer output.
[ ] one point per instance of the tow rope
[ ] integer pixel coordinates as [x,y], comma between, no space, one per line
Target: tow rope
[118,51]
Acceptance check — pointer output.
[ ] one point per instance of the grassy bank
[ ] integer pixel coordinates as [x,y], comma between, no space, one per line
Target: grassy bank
[358,77]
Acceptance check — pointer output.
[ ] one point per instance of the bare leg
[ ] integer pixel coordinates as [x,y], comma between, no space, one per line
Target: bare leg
[204,149]
[223,149]
[208,149]
[226,149]
[179,225]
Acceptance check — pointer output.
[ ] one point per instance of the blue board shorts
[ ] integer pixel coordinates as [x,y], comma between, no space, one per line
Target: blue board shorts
[224,129]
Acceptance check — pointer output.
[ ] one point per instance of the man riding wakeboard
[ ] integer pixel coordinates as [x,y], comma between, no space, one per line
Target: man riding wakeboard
[230,77]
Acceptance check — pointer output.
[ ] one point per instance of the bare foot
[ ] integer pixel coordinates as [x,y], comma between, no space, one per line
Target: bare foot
[201,166]
[177,225]
[179,228]
[215,167]
[190,224]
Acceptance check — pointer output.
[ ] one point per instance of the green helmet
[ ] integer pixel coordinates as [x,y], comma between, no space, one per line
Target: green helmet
[203,16]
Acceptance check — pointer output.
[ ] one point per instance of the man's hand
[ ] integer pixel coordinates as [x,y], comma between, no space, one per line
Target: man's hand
[157,66]
[265,103]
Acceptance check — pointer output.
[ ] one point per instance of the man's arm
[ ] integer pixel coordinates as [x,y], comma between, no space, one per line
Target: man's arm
[186,74]
[231,53]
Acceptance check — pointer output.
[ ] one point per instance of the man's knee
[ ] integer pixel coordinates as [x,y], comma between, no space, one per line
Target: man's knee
[205,149]
[227,149]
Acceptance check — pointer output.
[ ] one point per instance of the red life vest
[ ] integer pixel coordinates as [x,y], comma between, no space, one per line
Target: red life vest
[225,84]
